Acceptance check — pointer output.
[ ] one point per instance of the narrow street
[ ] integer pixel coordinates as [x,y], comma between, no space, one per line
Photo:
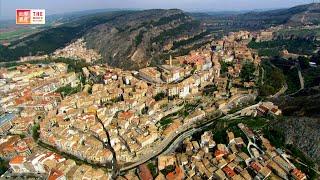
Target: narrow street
[107,145]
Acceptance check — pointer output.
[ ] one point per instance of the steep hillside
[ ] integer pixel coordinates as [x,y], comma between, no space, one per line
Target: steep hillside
[137,40]
[133,39]
[302,132]
[126,39]
[310,15]
[295,16]
[298,15]
[49,40]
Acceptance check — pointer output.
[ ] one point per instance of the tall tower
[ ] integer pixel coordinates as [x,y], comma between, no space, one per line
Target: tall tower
[170,61]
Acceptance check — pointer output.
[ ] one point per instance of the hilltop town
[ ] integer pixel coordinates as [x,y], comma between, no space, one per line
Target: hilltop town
[106,122]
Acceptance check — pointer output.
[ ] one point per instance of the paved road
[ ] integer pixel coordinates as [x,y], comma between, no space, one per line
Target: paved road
[230,116]
[179,140]
[300,77]
[262,78]
[239,99]
[171,142]
[316,171]
[281,91]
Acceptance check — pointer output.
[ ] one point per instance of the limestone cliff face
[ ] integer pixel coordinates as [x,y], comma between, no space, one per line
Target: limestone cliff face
[133,40]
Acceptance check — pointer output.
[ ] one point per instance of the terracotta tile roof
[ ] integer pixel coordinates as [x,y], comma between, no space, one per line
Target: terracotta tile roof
[145,173]
[55,174]
[255,166]
[17,159]
[228,171]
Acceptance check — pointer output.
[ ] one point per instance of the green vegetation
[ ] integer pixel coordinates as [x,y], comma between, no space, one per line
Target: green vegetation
[35,131]
[272,52]
[220,137]
[160,96]
[290,72]
[189,107]
[3,166]
[292,80]
[11,35]
[73,65]
[274,79]
[316,58]
[272,48]
[47,41]
[247,71]
[184,112]
[209,90]
[275,136]
[219,132]
[304,62]
[68,90]
[311,77]
[115,100]
[153,169]
[224,66]
[138,38]
[180,52]
[301,156]
[165,122]
[167,170]
[191,40]
[181,29]
[297,32]
[166,20]
[255,122]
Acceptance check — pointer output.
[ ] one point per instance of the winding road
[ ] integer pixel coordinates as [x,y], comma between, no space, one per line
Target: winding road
[173,141]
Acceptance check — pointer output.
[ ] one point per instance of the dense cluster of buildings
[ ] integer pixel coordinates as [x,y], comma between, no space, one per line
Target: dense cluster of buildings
[78,50]
[204,159]
[262,109]
[53,166]
[125,105]
[127,114]
[29,91]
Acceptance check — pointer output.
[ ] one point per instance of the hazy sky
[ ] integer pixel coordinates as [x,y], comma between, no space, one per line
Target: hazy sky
[7,7]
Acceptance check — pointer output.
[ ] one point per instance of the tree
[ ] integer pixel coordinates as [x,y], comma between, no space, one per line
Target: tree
[316,58]
[224,66]
[247,71]
[160,96]
[3,166]
[35,131]
[266,90]
[277,79]
[304,62]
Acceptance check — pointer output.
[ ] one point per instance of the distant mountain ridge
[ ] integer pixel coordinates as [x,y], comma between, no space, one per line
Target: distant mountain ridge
[134,39]
[308,14]
[298,15]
